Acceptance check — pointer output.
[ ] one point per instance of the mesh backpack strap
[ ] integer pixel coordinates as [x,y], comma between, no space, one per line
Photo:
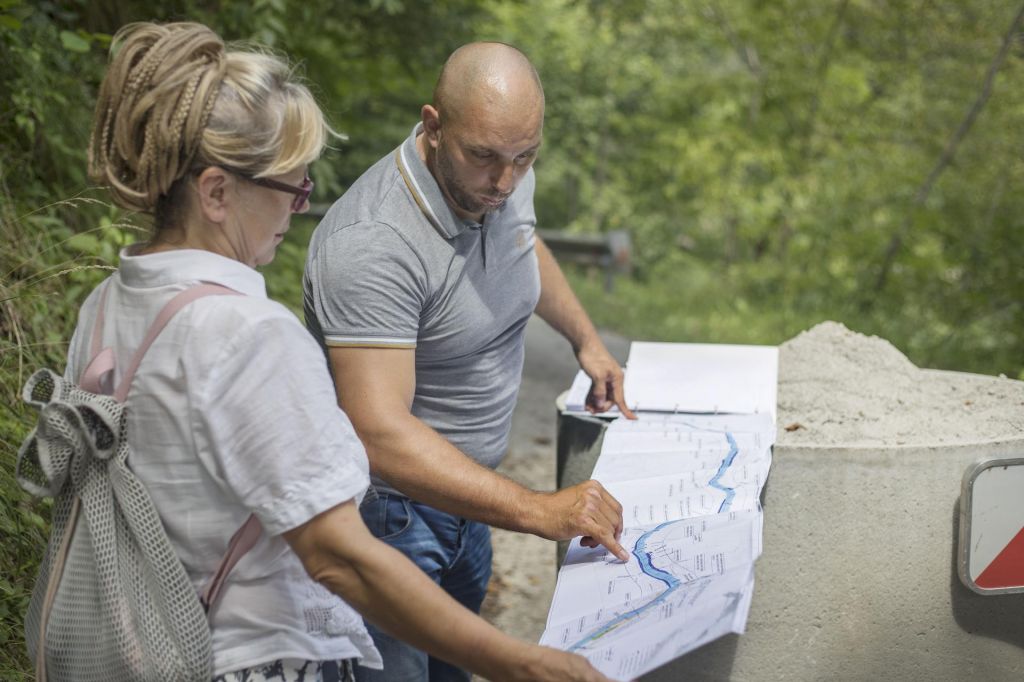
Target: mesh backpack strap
[97,374]
[51,590]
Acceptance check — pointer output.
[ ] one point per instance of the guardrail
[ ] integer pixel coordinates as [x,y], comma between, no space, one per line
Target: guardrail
[610,251]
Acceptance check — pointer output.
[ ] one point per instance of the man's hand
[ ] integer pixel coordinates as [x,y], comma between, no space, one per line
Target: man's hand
[585,509]
[607,377]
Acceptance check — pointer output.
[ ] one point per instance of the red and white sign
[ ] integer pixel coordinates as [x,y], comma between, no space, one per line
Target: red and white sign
[992,527]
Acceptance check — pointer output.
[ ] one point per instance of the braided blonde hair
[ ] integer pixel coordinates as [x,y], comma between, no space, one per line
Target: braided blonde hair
[175,100]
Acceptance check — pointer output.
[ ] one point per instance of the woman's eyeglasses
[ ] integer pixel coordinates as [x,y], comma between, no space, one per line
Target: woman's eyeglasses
[301,193]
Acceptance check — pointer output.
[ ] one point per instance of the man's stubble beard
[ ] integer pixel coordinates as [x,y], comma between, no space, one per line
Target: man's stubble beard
[462,197]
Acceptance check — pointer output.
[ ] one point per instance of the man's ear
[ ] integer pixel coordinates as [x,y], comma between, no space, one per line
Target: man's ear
[431,124]
[212,186]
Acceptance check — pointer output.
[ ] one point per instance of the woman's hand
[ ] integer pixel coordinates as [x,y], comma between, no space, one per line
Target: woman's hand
[551,665]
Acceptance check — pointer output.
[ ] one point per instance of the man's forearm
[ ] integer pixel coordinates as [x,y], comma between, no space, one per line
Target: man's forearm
[420,463]
[558,305]
[423,465]
[376,389]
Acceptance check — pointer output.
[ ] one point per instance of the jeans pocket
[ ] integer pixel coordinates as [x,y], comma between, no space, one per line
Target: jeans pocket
[388,516]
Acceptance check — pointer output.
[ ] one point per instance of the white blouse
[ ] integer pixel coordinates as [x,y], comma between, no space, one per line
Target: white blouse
[233,412]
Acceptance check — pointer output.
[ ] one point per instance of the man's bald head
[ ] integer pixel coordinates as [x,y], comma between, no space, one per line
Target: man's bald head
[487,77]
[482,134]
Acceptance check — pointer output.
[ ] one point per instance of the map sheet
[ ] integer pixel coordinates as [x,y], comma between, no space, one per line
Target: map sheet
[690,487]
[693,377]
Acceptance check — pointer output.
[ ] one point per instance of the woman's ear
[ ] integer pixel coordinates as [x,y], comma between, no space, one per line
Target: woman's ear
[212,186]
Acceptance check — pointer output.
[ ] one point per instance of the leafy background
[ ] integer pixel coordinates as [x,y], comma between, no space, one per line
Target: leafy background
[775,164]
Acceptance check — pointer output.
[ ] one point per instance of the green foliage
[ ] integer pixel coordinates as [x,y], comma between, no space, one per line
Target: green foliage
[763,157]
[48,259]
[370,64]
[766,158]
[284,274]
[45,103]
[45,270]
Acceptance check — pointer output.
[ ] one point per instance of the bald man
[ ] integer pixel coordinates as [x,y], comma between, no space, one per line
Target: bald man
[419,284]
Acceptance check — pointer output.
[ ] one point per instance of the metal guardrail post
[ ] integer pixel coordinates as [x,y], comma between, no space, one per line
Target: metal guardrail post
[611,251]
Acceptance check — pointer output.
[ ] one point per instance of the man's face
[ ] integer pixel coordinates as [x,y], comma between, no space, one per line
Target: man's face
[481,159]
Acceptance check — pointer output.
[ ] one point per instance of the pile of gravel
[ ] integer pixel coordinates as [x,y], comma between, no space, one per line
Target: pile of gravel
[839,388]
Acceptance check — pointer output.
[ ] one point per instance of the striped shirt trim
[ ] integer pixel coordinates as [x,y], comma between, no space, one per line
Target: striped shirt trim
[364,342]
[417,193]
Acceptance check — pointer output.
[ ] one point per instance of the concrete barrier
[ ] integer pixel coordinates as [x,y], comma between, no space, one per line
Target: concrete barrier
[858,578]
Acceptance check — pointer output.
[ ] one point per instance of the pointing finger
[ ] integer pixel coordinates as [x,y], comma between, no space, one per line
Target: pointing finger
[619,397]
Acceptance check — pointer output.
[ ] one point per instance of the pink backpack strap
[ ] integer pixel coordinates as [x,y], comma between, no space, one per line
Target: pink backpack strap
[99,373]
[99,369]
[241,542]
[97,329]
[169,311]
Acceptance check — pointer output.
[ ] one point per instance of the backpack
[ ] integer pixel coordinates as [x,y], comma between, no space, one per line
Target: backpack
[112,601]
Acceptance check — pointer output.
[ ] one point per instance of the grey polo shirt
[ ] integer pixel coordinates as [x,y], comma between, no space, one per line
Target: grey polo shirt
[391,266]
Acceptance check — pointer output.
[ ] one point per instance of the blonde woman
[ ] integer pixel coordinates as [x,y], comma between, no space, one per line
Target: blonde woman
[233,411]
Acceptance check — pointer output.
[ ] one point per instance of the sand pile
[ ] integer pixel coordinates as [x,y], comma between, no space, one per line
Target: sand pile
[841,388]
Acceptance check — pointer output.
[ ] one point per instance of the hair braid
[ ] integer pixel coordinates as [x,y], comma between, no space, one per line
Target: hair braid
[202,99]
[174,99]
[141,145]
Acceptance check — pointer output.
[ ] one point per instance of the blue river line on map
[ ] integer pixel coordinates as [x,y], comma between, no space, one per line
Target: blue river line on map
[643,557]
[730,493]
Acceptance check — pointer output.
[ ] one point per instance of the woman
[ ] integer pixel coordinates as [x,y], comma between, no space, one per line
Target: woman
[233,412]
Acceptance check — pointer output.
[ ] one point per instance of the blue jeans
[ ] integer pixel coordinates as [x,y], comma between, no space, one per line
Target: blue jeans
[454,552]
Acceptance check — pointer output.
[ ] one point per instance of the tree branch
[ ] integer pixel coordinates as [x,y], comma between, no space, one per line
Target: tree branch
[896,243]
[747,54]
[819,75]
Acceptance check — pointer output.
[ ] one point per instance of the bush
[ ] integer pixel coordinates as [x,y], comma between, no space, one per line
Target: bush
[47,270]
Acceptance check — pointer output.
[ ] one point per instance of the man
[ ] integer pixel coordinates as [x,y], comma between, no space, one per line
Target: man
[419,282]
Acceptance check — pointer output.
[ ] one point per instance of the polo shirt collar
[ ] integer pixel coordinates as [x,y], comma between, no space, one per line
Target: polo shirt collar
[185,265]
[424,188]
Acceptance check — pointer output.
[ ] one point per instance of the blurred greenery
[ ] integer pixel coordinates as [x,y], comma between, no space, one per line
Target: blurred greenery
[775,163]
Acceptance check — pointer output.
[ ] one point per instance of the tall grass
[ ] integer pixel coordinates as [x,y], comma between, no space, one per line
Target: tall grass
[703,301]
[47,267]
